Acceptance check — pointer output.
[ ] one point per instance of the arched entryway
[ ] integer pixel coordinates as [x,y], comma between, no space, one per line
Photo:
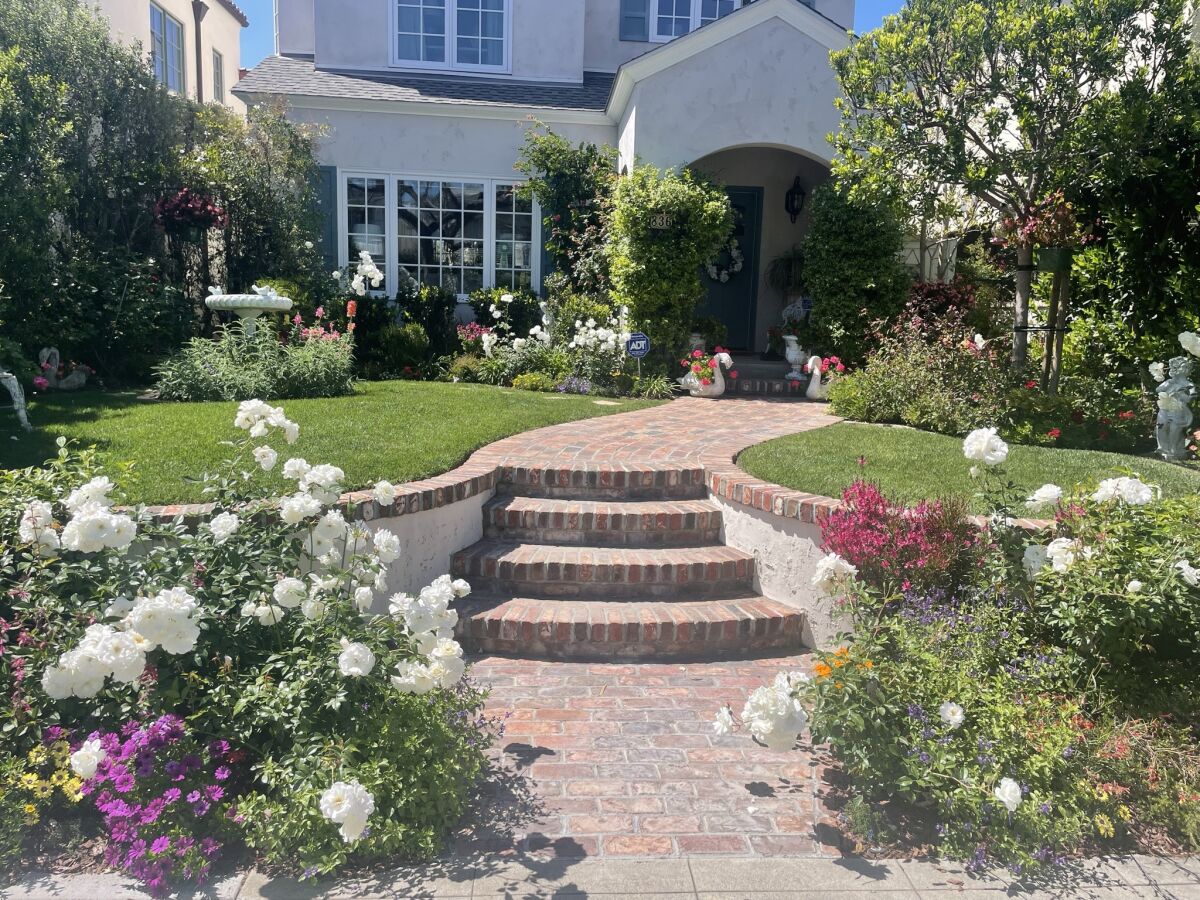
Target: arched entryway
[758,179]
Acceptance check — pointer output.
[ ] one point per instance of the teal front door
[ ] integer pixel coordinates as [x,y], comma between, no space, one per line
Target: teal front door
[733,295]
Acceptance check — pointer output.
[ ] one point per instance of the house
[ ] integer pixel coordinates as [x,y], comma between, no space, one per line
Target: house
[425,104]
[194,45]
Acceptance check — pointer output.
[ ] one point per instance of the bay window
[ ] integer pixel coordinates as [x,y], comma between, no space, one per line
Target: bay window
[452,34]
[458,233]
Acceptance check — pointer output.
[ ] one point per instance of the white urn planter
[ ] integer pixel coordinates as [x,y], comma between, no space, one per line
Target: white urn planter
[794,356]
[248,307]
[716,385]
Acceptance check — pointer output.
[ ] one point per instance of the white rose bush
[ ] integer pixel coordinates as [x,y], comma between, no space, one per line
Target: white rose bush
[268,627]
[1027,697]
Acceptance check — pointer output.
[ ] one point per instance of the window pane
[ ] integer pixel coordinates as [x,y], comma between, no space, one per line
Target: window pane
[406,194]
[480,29]
[421,30]
[408,46]
[514,234]
[492,53]
[366,223]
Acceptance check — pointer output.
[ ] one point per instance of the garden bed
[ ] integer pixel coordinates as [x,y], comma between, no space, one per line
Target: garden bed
[394,430]
[912,465]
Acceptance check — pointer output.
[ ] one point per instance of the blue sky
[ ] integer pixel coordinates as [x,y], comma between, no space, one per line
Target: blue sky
[259,39]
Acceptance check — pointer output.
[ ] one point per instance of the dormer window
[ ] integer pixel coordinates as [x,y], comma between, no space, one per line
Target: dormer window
[675,18]
[452,34]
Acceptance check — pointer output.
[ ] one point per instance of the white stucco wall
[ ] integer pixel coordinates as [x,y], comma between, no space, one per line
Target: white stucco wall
[774,171]
[451,144]
[295,31]
[786,552]
[733,94]
[548,40]
[129,22]
[603,49]
[428,541]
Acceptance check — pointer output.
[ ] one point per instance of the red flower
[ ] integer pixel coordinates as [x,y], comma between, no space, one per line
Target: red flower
[733,373]
[706,381]
[696,354]
[684,363]
[1127,415]
[696,368]
[712,363]
[1031,384]
[1054,433]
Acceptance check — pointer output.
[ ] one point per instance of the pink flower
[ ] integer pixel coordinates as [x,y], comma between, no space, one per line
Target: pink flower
[733,373]
[320,313]
[696,354]
[297,320]
[712,363]
[696,368]
[41,383]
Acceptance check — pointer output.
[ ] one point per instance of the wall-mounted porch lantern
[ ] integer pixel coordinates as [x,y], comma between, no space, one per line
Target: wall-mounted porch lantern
[793,201]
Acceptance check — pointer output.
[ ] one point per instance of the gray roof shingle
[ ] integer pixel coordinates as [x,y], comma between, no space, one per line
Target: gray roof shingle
[300,77]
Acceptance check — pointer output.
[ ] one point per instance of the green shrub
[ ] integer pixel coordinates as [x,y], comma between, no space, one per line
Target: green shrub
[656,271]
[535,381]
[465,368]
[567,307]
[399,351]
[235,366]
[520,314]
[433,308]
[507,362]
[654,387]
[1087,413]
[714,331]
[853,270]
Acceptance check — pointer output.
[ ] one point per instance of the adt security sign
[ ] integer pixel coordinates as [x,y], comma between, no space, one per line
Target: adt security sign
[638,345]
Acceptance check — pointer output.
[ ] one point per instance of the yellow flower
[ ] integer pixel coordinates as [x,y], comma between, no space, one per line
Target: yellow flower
[60,748]
[30,780]
[43,789]
[29,809]
[37,755]
[59,778]
[1124,813]
[822,670]
[1104,826]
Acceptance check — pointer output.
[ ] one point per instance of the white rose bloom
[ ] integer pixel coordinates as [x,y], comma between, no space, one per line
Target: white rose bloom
[1034,560]
[723,723]
[223,526]
[1046,495]
[1129,490]
[364,599]
[308,245]
[413,678]
[289,592]
[1062,553]
[1190,341]
[336,275]
[312,608]
[355,660]
[460,587]
[384,493]
[1134,586]
[323,482]
[122,655]
[295,509]
[774,717]
[358,285]
[1188,572]
[56,682]
[952,714]
[119,608]
[95,491]
[94,527]
[295,468]
[832,572]
[166,620]
[349,805]
[87,758]
[1158,371]
[265,457]
[387,546]
[1008,792]
[985,446]
[291,432]
[37,527]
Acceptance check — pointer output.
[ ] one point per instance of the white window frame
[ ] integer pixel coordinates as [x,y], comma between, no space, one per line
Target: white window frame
[166,49]
[451,62]
[390,264]
[218,73]
[697,7]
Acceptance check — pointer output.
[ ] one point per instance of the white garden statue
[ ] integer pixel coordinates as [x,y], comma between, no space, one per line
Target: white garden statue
[49,360]
[1175,396]
[13,385]
[716,386]
[818,388]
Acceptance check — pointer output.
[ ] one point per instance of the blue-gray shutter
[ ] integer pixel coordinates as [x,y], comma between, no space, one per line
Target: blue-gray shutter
[327,194]
[635,20]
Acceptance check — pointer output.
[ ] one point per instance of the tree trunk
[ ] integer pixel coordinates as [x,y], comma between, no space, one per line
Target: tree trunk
[1024,287]
[1051,324]
[1060,330]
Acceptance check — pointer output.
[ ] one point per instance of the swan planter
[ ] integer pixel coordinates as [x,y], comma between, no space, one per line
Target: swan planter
[817,369]
[705,378]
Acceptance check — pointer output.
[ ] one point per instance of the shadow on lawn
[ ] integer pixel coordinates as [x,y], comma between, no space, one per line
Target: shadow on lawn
[49,414]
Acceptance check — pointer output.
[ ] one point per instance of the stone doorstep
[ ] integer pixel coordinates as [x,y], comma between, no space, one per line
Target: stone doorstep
[632,630]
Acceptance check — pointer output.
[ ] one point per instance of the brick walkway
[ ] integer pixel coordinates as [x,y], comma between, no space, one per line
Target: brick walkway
[617,760]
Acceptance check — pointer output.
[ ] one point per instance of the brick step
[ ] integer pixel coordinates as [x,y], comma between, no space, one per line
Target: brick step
[770,387]
[557,571]
[639,523]
[635,630]
[604,482]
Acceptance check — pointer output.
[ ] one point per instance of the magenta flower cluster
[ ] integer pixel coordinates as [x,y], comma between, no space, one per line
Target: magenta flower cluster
[165,800]
[188,209]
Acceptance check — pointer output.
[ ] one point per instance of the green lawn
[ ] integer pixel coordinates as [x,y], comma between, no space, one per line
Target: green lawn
[398,430]
[913,465]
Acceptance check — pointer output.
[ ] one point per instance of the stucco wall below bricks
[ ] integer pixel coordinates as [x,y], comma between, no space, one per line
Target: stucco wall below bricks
[428,539]
[785,552]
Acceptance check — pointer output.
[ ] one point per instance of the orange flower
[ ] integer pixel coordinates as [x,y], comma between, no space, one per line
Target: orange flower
[822,670]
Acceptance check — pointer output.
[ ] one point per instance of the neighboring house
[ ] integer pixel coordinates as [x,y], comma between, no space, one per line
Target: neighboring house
[426,102]
[194,45]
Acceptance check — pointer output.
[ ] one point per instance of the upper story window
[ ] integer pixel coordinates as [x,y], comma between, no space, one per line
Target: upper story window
[673,18]
[452,34]
[166,48]
[218,65]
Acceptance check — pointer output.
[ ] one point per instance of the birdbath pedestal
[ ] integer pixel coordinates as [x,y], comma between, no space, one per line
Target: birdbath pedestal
[248,307]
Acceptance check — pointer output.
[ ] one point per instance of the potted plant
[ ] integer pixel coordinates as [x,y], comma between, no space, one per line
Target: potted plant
[704,377]
[785,273]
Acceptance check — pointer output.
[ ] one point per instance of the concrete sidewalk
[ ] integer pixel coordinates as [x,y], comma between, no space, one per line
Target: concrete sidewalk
[691,878]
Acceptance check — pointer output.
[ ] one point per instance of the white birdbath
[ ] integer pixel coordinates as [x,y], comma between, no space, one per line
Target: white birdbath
[248,307]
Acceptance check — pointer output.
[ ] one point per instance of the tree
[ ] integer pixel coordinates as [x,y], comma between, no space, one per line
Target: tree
[984,95]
